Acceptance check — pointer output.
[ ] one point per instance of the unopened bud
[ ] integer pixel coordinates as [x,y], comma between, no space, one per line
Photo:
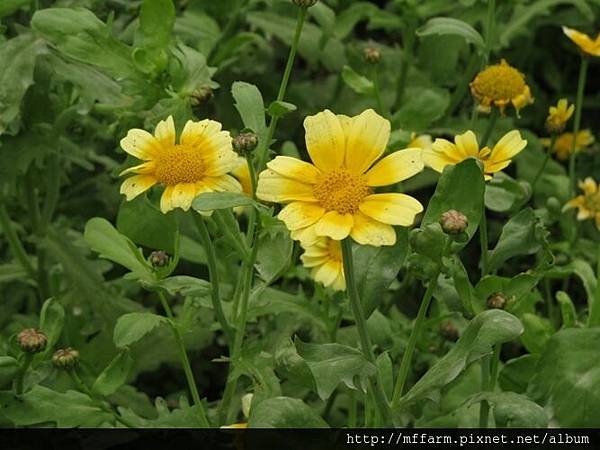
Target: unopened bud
[201,96]
[305,3]
[372,55]
[158,259]
[449,331]
[66,358]
[245,143]
[453,222]
[32,340]
[496,301]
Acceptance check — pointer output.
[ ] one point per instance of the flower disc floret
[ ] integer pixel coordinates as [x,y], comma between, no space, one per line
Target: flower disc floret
[341,191]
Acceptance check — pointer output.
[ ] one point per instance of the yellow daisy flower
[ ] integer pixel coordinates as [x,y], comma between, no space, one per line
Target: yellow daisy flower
[500,85]
[200,162]
[324,258]
[588,204]
[444,152]
[559,115]
[583,41]
[334,196]
[422,141]
[564,143]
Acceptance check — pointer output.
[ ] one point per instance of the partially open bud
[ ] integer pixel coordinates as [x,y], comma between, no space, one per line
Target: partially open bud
[372,55]
[201,96]
[32,340]
[305,3]
[453,222]
[66,358]
[449,331]
[158,259]
[245,143]
[496,301]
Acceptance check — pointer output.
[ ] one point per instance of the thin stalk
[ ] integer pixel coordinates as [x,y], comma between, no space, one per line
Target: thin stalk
[577,121]
[52,190]
[407,57]
[546,158]
[489,376]
[226,224]
[185,362]
[490,28]
[381,404]
[264,146]
[484,245]
[215,295]
[463,84]
[27,358]
[352,412]
[16,247]
[377,92]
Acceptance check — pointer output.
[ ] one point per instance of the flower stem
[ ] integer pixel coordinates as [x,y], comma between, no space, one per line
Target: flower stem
[577,121]
[185,362]
[381,404]
[377,91]
[407,57]
[490,28]
[545,162]
[489,374]
[264,146]
[14,242]
[27,358]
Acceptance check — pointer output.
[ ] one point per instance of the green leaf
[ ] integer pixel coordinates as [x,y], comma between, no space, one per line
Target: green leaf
[449,25]
[356,82]
[332,364]
[249,103]
[274,254]
[157,18]
[279,108]
[538,331]
[8,7]
[132,327]
[185,285]
[9,368]
[504,194]
[421,108]
[52,319]
[284,412]
[484,331]
[512,410]
[114,375]
[567,377]
[567,309]
[209,201]
[517,372]
[586,274]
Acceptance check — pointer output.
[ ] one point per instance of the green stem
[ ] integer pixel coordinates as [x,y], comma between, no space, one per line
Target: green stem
[381,404]
[545,162]
[215,295]
[408,38]
[463,84]
[489,375]
[264,146]
[490,28]
[483,241]
[52,190]
[352,412]
[185,362]
[14,242]
[27,358]
[577,122]
[228,226]
[377,92]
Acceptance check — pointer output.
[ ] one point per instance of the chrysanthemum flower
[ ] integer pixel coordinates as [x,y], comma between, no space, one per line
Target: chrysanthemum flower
[324,258]
[588,204]
[200,162]
[500,85]
[559,115]
[583,41]
[334,197]
[564,143]
[444,152]
[422,141]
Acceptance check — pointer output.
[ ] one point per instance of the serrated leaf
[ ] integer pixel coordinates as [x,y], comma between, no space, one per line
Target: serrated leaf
[114,375]
[280,108]
[132,327]
[356,82]
[250,105]
[512,410]
[284,412]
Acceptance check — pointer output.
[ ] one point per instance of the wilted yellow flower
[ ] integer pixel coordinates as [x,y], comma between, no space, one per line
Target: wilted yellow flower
[564,143]
[559,115]
[200,162]
[444,152]
[583,41]
[500,85]
[422,141]
[324,258]
[335,197]
[588,204]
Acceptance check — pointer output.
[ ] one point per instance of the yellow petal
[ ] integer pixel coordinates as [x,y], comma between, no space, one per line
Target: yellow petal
[242,173]
[588,185]
[194,132]
[367,231]
[272,187]
[507,147]
[165,200]
[295,168]
[313,261]
[134,186]
[182,195]
[298,215]
[492,167]
[583,41]
[334,225]
[165,132]
[223,183]
[340,282]
[325,140]
[306,236]
[144,168]
[392,208]
[367,139]
[327,273]
[466,145]
[396,167]
[442,154]
[141,144]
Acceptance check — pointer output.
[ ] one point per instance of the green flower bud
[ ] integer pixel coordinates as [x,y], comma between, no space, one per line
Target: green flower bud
[32,340]
[158,259]
[66,358]
[372,55]
[201,95]
[449,331]
[453,222]
[496,301]
[245,143]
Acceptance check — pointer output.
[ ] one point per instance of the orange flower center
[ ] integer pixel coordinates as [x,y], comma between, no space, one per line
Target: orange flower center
[179,164]
[499,82]
[341,191]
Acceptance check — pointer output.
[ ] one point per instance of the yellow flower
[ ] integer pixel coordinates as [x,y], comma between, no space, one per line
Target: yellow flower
[588,204]
[564,143]
[583,41]
[422,141]
[444,152]
[559,115]
[324,258]
[198,163]
[242,173]
[334,197]
[500,85]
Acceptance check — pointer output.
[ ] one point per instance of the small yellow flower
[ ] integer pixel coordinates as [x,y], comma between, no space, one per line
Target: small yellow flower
[564,143]
[324,258]
[422,141]
[444,152]
[559,115]
[500,85]
[583,41]
[200,162]
[335,197]
[588,204]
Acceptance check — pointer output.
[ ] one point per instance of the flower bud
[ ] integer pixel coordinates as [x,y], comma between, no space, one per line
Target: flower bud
[453,222]
[496,301]
[245,143]
[372,55]
[158,259]
[449,331]
[66,358]
[32,340]
[305,3]
[201,96]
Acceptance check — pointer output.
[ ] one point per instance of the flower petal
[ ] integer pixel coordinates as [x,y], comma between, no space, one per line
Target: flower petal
[134,186]
[396,167]
[306,236]
[392,208]
[325,140]
[327,273]
[295,168]
[334,225]
[298,215]
[466,145]
[588,185]
[583,41]
[165,132]
[193,132]
[367,139]
[272,187]
[223,183]
[141,144]
[182,195]
[144,168]
[367,231]
[507,147]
